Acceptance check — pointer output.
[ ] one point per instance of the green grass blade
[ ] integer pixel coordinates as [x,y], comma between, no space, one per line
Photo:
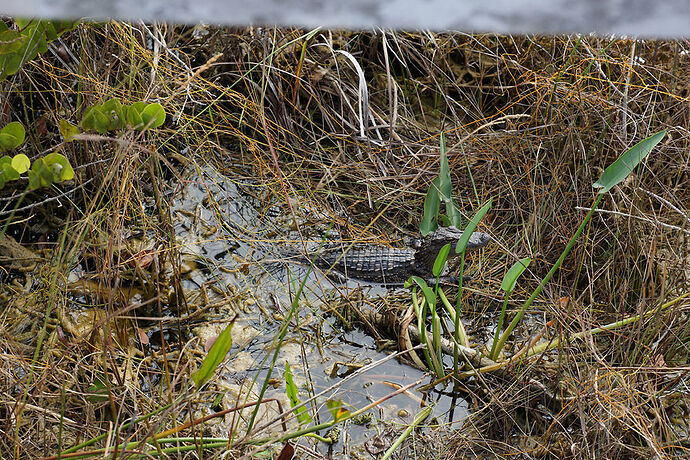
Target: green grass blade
[417,420]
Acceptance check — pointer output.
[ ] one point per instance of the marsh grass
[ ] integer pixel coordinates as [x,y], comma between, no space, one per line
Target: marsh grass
[530,121]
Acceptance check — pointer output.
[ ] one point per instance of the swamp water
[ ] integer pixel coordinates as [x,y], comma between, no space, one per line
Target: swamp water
[231,242]
[235,241]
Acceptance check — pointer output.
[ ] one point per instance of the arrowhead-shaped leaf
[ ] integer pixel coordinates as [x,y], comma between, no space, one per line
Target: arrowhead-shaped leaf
[215,356]
[624,165]
[512,275]
[472,226]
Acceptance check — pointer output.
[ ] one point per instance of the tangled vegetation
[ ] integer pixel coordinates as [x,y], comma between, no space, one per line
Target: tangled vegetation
[349,124]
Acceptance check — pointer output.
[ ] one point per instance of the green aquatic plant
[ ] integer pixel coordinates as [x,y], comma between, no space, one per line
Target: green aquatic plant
[215,356]
[113,115]
[615,173]
[441,192]
[50,169]
[301,412]
[507,285]
[23,43]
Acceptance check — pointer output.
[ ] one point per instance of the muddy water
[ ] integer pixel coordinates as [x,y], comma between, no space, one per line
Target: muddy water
[231,238]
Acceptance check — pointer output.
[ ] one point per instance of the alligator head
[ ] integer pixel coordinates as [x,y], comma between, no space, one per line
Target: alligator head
[429,247]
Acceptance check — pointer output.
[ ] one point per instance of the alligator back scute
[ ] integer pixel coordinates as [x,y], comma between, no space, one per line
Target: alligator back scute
[373,263]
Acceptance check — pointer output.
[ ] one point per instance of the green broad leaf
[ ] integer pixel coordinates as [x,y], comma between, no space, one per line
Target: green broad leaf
[472,226]
[512,275]
[443,221]
[11,136]
[337,409]
[153,115]
[446,188]
[68,130]
[114,112]
[32,38]
[101,120]
[7,142]
[7,170]
[41,43]
[22,23]
[10,64]
[36,40]
[11,41]
[291,389]
[138,106]
[50,31]
[215,356]
[63,26]
[60,167]
[98,391]
[88,120]
[440,261]
[40,175]
[16,129]
[624,165]
[134,114]
[431,207]
[454,216]
[21,163]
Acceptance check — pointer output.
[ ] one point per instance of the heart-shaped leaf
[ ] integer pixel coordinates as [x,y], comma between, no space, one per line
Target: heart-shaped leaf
[40,175]
[21,163]
[60,167]
[68,130]
[153,115]
[134,114]
[11,136]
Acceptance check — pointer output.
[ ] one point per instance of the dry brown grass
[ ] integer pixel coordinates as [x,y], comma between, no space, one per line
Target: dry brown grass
[530,121]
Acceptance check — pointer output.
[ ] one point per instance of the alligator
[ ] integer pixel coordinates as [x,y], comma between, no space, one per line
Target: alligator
[381,264]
